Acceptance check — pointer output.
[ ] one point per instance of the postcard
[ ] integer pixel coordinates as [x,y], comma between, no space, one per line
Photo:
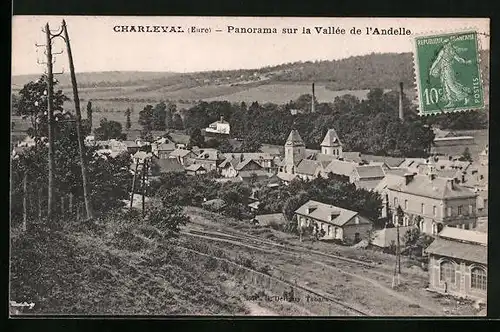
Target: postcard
[249,166]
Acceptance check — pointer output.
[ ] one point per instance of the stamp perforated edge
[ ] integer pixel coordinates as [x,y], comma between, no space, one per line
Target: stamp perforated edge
[416,67]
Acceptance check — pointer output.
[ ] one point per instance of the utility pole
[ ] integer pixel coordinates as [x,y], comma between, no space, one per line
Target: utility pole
[86,194]
[25,200]
[50,115]
[133,183]
[144,171]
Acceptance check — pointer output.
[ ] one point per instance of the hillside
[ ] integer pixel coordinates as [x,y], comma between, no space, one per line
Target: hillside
[112,269]
[277,84]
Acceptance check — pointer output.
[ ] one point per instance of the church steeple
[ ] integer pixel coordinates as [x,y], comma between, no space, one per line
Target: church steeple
[295,151]
[331,144]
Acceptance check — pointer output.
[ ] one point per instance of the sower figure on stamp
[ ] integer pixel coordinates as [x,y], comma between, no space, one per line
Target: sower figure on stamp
[442,68]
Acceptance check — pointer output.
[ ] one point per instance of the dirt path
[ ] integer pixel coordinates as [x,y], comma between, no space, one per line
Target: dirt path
[257,310]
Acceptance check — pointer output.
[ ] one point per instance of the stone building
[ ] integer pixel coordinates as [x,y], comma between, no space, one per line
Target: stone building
[458,263]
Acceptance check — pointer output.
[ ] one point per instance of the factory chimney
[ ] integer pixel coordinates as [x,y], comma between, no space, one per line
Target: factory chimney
[313,99]
[401,115]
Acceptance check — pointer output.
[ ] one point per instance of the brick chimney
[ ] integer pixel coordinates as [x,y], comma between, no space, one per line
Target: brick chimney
[401,115]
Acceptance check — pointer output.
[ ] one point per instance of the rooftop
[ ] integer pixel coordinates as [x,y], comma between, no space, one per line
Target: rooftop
[195,167]
[180,153]
[323,212]
[466,235]
[454,249]
[369,171]
[168,165]
[331,139]
[266,219]
[439,188]
[307,167]
[294,139]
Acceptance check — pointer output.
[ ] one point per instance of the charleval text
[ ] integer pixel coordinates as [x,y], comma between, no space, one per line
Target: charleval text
[148,28]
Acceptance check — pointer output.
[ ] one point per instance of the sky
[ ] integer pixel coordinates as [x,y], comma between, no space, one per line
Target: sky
[97,47]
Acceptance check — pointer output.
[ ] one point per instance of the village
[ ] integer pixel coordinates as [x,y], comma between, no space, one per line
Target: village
[444,196]
[350,206]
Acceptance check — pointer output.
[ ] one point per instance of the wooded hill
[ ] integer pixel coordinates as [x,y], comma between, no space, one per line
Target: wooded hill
[376,70]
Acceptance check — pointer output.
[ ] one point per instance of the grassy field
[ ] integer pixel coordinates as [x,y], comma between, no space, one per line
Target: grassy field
[112,269]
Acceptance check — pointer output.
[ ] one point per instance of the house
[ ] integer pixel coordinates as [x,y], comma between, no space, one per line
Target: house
[451,145]
[336,223]
[163,150]
[270,219]
[436,201]
[195,169]
[166,166]
[386,237]
[254,206]
[184,157]
[220,127]
[458,263]
[209,158]
[286,178]
[253,175]
[367,176]
[131,146]
[389,162]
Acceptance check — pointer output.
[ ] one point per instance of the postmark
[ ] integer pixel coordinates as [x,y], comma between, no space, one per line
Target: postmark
[447,72]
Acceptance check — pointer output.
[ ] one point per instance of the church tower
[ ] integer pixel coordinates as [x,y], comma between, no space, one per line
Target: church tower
[295,151]
[331,144]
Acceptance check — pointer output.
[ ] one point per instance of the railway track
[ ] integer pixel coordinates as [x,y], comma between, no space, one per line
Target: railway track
[334,262]
[313,292]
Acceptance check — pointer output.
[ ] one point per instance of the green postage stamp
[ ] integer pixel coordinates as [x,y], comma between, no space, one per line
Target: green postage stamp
[448,73]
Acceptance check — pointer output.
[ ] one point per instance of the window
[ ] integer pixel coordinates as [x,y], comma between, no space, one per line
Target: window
[329,230]
[449,212]
[478,278]
[470,209]
[447,272]
[395,202]
[434,210]
[422,208]
[460,210]
[406,204]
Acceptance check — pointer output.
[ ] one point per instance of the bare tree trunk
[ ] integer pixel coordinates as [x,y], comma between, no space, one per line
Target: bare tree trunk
[62,205]
[86,197]
[77,211]
[25,200]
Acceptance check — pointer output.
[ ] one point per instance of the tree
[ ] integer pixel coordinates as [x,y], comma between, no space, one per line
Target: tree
[250,144]
[225,146]
[466,156]
[177,122]
[89,114]
[108,130]
[168,219]
[32,104]
[128,123]
[196,138]
[410,239]
[146,118]
[159,115]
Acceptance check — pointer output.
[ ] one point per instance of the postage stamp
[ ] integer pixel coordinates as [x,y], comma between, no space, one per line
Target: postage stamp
[448,73]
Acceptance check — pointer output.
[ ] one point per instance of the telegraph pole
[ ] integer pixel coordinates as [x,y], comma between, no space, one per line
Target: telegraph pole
[50,115]
[88,205]
[144,170]
[133,183]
